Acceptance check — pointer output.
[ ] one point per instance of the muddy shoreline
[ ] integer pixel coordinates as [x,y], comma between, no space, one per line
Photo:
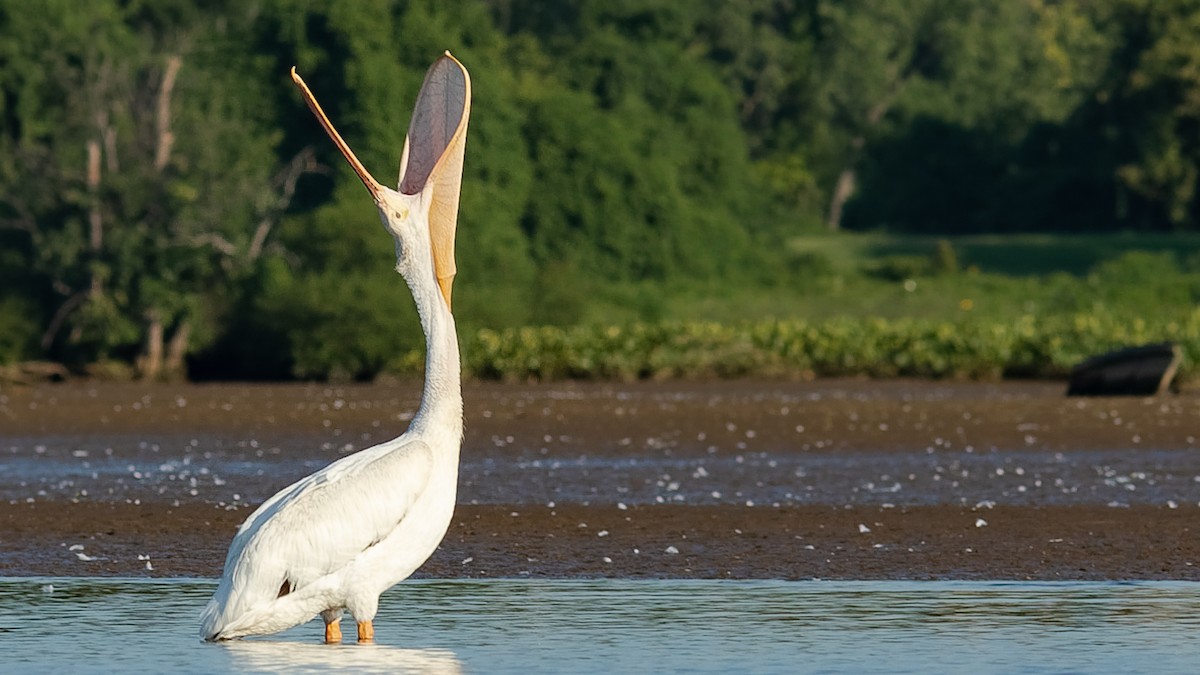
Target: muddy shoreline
[662,541]
[747,479]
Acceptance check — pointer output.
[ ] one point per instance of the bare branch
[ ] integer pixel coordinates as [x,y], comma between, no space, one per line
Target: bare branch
[64,310]
[109,135]
[304,162]
[21,222]
[221,244]
[260,238]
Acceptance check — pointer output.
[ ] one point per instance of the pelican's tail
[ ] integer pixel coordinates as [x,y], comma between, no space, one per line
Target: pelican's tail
[234,613]
[210,622]
[223,611]
[217,625]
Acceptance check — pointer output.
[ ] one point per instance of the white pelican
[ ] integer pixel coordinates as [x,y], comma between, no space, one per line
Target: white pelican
[339,538]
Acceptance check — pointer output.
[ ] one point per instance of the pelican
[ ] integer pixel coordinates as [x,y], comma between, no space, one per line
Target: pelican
[336,540]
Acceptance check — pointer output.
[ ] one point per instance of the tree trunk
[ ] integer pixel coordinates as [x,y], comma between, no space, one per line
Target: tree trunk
[150,363]
[165,137]
[175,368]
[151,360]
[841,194]
[95,224]
[847,178]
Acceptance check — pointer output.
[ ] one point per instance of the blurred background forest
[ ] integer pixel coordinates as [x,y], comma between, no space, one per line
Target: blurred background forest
[652,188]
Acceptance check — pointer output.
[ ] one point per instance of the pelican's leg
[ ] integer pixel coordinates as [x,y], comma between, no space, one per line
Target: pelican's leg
[363,610]
[333,626]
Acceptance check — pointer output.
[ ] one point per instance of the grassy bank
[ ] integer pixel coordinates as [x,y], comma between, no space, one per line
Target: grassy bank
[968,348]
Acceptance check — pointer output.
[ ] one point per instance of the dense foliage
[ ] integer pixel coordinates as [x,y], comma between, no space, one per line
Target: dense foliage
[167,202]
[966,348]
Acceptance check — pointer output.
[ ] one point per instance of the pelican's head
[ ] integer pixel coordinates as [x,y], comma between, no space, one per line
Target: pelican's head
[422,213]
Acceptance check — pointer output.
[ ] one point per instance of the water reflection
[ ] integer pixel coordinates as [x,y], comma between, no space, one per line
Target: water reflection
[588,626]
[299,657]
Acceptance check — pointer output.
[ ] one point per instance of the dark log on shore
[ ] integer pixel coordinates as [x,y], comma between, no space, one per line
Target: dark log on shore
[31,372]
[1146,370]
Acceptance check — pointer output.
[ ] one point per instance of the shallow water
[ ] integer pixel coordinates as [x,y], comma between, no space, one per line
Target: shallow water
[71,467]
[583,626]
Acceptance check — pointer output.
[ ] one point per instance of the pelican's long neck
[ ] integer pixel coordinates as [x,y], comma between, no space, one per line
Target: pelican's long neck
[441,408]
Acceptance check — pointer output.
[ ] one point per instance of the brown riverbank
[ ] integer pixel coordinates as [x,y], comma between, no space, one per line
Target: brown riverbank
[936,542]
[748,479]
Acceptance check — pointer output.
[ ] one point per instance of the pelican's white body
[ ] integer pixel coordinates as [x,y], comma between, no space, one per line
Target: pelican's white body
[317,534]
[344,535]
[339,538]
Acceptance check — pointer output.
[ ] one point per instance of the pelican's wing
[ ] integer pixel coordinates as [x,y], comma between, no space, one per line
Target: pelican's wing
[317,527]
[433,156]
[339,514]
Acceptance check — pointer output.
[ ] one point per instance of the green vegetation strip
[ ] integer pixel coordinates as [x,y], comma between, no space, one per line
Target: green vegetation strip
[969,348]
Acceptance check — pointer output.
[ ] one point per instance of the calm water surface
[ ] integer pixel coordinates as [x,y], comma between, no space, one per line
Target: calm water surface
[87,625]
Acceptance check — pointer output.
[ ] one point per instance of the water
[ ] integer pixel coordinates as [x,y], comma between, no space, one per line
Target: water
[584,626]
[50,467]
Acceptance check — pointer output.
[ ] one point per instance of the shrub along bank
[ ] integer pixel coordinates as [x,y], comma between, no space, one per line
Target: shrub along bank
[970,348]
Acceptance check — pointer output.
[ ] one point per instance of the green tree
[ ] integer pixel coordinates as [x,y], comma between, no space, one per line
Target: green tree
[636,142]
[1155,98]
[154,180]
[987,134]
[870,50]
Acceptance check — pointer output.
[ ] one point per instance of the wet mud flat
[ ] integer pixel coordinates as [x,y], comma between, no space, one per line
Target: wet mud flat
[743,479]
